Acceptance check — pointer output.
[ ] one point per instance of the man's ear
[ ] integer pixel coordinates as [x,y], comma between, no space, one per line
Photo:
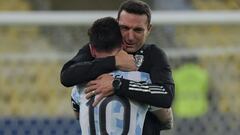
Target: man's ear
[149,28]
[92,50]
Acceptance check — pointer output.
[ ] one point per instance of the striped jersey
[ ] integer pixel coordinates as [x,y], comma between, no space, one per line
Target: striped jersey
[114,115]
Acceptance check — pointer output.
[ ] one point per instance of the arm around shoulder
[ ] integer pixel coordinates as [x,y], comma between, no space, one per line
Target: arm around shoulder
[83,68]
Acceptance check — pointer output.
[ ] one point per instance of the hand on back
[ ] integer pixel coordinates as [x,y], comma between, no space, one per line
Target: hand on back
[101,87]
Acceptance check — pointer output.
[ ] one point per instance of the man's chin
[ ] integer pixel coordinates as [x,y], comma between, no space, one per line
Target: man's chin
[129,50]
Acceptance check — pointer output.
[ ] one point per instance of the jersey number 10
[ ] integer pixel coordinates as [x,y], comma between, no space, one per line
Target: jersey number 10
[102,114]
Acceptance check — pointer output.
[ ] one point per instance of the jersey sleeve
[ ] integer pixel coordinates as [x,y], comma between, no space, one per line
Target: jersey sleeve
[83,67]
[75,106]
[75,99]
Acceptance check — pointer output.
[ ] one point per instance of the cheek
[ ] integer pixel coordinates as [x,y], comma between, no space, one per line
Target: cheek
[124,33]
[140,38]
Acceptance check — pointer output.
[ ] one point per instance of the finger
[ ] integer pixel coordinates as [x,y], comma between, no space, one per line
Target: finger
[90,88]
[105,76]
[97,100]
[101,76]
[109,93]
[93,82]
[90,94]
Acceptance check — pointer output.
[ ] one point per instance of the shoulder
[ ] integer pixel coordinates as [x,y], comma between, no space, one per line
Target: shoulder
[154,50]
[84,49]
[84,53]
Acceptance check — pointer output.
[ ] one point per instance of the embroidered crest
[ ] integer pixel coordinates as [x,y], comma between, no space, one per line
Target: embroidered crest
[138,60]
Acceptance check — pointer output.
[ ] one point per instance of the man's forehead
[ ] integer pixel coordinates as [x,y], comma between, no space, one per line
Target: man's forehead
[132,20]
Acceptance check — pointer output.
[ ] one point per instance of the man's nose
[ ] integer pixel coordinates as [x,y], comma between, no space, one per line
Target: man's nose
[130,34]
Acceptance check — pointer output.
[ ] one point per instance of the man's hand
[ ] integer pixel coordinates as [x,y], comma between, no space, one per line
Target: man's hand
[125,61]
[101,87]
[165,117]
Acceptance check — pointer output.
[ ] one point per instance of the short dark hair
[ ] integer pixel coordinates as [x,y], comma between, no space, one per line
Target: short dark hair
[136,7]
[105,34]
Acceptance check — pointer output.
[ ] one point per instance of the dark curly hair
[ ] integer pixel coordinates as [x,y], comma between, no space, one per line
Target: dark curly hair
[136,7]
[105,34]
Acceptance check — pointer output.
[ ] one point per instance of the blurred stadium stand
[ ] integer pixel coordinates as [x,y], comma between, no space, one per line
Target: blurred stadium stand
[33,102]
[39,126]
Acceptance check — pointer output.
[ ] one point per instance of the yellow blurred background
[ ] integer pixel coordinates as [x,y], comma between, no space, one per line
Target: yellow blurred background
[31,59]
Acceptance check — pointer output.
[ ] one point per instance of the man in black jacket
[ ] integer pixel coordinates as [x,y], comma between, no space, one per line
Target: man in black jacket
[134,18]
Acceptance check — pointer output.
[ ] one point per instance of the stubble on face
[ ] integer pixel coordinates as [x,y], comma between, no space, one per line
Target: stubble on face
[134,29]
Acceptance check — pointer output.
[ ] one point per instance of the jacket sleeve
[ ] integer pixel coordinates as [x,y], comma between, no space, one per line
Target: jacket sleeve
[83,67]
[161,92]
